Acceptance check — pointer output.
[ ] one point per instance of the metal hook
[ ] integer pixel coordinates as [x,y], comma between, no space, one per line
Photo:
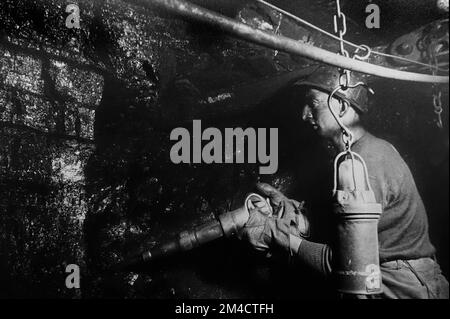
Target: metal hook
[364,57]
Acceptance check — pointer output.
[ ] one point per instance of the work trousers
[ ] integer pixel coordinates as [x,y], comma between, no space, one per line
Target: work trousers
[413,279]
[409,279]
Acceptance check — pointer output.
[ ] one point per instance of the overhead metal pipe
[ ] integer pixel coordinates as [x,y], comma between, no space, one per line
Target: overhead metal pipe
[285,44]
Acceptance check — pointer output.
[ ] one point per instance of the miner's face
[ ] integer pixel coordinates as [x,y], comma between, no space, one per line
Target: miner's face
[317,113]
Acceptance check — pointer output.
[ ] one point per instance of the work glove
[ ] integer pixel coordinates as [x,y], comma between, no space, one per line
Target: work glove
[292,212]
[264,232]
[270,225]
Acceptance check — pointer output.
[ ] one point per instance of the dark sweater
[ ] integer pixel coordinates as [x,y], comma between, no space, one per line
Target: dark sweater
[403,226]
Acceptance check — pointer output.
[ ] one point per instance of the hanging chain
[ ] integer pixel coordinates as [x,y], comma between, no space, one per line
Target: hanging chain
[436,91]
[344,77]
[437,103]
[344,84]
[341,30]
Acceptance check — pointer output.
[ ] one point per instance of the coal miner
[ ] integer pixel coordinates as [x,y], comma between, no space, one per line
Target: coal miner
[405,257]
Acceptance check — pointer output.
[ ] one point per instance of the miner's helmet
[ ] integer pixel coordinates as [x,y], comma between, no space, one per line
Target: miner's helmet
[326,79]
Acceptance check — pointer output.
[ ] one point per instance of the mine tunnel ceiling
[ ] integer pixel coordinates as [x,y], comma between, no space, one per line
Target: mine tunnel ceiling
[257,63]
[153,53]
[394,12]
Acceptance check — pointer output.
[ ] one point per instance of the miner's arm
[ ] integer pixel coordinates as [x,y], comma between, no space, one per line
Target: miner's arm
[314,255]
[288,229]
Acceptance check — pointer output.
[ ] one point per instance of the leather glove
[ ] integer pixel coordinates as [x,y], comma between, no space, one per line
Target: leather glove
[292,212]
[264,230]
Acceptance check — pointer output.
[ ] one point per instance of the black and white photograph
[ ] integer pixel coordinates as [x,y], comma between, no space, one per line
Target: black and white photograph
[224,155]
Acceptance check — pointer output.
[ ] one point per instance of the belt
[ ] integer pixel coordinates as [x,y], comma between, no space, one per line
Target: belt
[410,264]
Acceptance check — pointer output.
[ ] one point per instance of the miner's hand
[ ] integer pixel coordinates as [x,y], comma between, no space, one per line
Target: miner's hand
[264,232]
[290,211]
[266,229]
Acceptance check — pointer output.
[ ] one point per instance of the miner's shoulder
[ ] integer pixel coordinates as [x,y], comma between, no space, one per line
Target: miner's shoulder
[378,149]
[382,159]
